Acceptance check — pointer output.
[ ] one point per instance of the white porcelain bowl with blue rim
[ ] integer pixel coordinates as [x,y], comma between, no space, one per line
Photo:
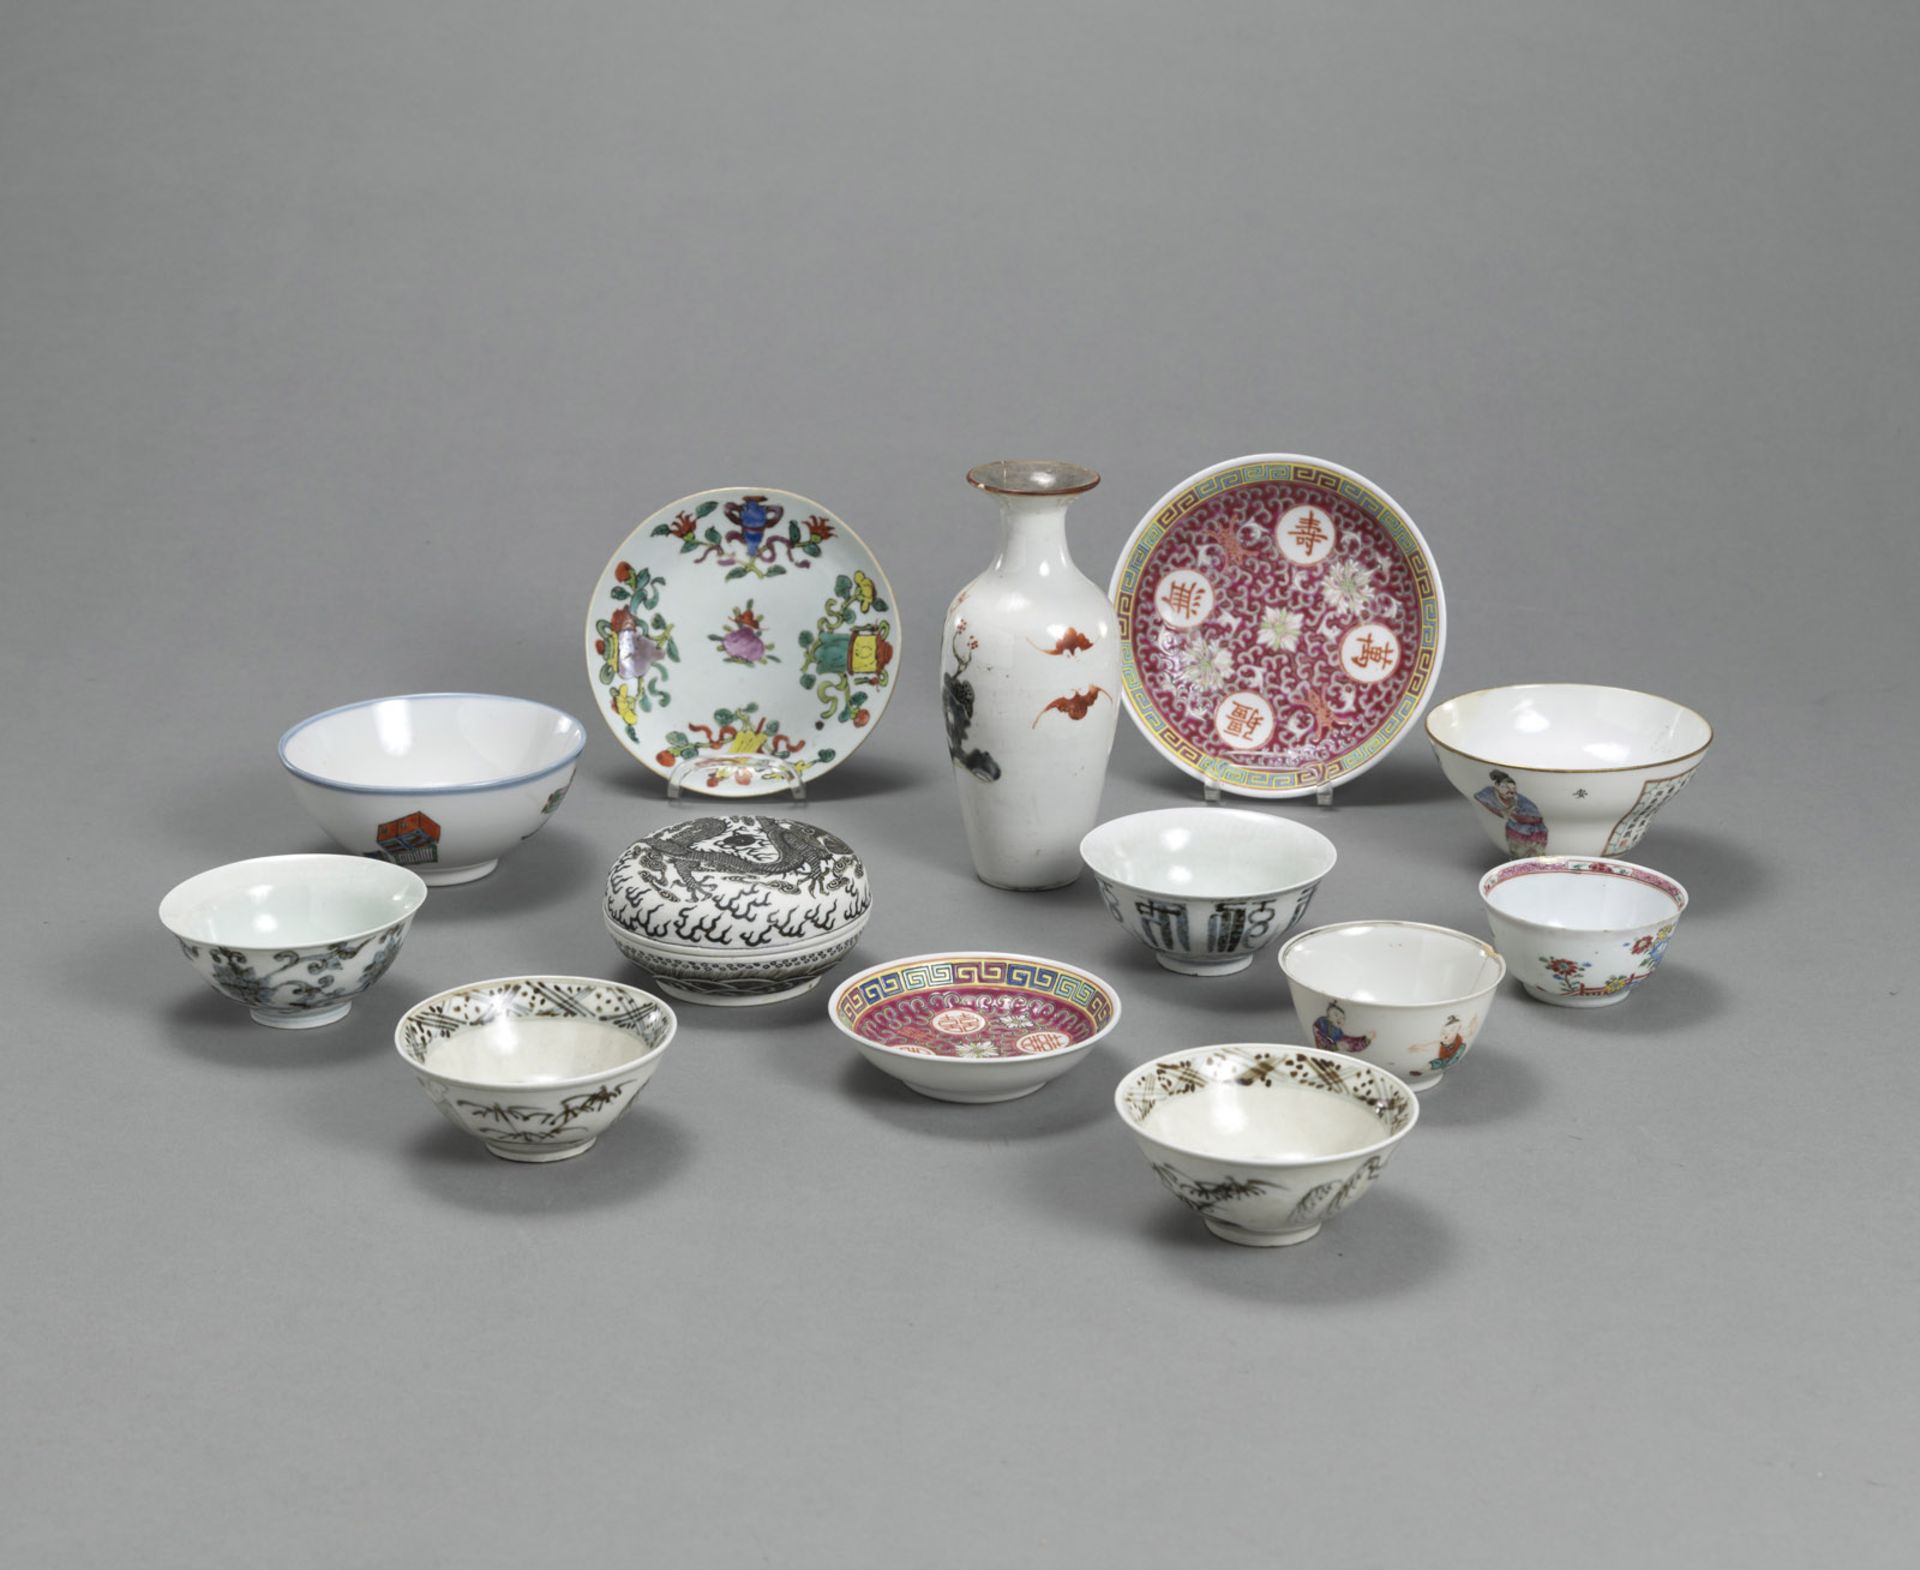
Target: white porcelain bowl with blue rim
[442,783]
[294,938]
[1206,888]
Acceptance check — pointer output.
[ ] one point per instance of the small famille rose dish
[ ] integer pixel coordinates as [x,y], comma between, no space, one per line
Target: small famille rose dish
[294,938]
[1581,931]
[1206,888]
[742,624]
[1411,997]
[737,910]
[1265,1142]
[444,783]
[535,1067]
[974,1027]
[1281,625]
[1566,770]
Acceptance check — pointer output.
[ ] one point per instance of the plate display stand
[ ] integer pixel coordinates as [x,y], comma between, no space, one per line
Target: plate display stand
[1210,793]
[757,765]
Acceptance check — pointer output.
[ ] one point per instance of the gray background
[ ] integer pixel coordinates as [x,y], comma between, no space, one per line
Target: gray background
[338,347]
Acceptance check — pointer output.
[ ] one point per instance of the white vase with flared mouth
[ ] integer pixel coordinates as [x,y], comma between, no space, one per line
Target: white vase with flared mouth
[1030,681]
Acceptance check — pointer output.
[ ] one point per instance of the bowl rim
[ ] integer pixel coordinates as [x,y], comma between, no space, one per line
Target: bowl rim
[1481,944]
[1058,1054]
[1215,815]
[412,882]
[504,782]
[1526,866]
[1582,686]
[1280,1164]
[577,1080]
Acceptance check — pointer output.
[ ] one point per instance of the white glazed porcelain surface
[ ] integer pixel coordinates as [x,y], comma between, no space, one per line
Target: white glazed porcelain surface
[1566,769]
[1206,888]
[442,783]
[294,938]
[1412,998]
[742,622]
[1265,1142]
[1030,685]
[1581,932]
[960,979]
[535,1067]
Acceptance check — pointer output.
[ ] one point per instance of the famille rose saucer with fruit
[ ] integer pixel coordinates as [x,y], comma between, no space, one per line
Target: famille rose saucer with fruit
[738,625]
[1281,624]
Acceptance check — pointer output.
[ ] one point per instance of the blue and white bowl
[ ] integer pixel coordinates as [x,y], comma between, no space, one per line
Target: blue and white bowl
[1206,888]
[443,783]
[294,938]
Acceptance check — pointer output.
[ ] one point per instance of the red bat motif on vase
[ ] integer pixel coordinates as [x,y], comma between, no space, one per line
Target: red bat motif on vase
[1070,642]
[1075,705]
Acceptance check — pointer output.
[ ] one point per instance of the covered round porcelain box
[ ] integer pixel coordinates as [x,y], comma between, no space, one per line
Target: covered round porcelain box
[737,910]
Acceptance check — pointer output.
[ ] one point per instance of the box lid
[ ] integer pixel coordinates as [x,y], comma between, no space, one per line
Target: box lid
[741,882]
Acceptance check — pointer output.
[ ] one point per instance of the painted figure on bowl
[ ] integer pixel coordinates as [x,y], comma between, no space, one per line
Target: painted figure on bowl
[1526,829]
[1330,1032]
[1452,1044]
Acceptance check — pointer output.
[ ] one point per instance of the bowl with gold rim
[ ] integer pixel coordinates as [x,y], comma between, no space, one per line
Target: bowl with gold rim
[1566,769]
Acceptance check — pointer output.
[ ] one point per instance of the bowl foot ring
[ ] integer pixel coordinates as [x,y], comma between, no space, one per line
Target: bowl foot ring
[1187,967]
[1233,1234]
[445,877]
[301,1019]
[530,1155]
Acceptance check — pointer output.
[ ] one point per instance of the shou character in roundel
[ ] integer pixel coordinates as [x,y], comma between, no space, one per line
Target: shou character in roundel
[1526,829]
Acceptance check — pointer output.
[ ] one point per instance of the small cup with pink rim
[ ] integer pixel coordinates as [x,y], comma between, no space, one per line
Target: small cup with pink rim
[1581,931]
[973,1026]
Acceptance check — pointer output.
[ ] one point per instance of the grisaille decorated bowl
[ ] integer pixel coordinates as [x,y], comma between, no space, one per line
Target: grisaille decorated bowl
[535,1067]
[294,938]
[1265,1143]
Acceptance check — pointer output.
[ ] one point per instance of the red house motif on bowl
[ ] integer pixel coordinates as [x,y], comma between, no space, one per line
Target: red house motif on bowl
[411,841]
